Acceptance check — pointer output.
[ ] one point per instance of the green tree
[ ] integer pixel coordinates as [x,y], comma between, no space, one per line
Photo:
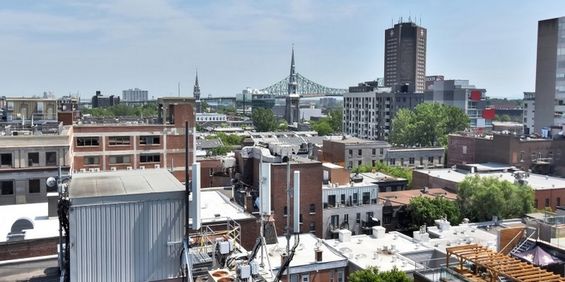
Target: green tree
[372,274]
[424,210]
[264,120]
[323,127]
[480,198]
[427,125]
[283,125]
[335,119]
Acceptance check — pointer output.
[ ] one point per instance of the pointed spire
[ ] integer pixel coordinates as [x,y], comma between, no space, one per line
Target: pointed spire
[292,66]
[196,82]
[196,91]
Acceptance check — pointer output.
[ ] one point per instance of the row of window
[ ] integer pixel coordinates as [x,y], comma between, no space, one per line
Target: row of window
[117,141]
[123,159]
[7,160]
[360,152]
[547,202]
[334,219]
[7,187]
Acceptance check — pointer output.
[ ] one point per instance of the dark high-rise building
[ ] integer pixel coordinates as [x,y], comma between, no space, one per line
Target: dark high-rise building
[405,57]
[550,74]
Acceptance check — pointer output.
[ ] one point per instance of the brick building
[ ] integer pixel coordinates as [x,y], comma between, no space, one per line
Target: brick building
[541,155]
[353,152]
[105,147]
[548,191]
[247,188]
[27,158]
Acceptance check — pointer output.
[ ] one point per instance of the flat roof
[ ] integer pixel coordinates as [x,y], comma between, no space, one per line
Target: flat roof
[403,197]
[216,207]
[37,214]
[123,182]
[460,235]
[304,258]
[385,253]
[536,181]
[355,140]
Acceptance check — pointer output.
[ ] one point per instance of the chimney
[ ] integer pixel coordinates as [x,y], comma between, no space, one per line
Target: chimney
[52,204]
[283,258]
[318,254]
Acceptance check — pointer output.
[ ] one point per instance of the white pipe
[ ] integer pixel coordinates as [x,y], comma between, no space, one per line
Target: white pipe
[296,192]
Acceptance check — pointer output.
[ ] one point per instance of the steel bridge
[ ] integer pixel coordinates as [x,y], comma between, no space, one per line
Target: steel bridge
[305,88]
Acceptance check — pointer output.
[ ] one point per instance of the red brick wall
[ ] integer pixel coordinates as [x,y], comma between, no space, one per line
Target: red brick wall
[551,195]
[310,193]
[455,150]
[333,152]
[28,248]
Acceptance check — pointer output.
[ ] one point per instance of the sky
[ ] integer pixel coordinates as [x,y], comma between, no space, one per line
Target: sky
[78,46]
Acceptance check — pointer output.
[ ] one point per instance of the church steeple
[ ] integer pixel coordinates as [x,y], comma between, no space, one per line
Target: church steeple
[292,77]
[196,93]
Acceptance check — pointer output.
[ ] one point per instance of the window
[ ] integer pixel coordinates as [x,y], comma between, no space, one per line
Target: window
[421,160]
[546,202]
[119,140]
[350,152]
[300,219]
[285,211]
[381,151]
[149,140]
[92,160]
[464,149]
[558,201]
[6,160]
[430,160]
[369,216]
[34,186]
[51,158]
[392,161]
[120,159]
[33,159]
[366,198]
[331,201]
[411,161]
[355,198]
[342,199]
[359,163]
[152,158]
[87,141]
[359,152]
[340,276]
[439,160]
[305,278]
[401,161]
[358,217]
[312,208]
[6,187]
[374,151]
[312,227]
[346,218]
[334,220]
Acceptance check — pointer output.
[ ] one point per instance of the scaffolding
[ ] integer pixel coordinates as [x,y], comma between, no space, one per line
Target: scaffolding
[477,263]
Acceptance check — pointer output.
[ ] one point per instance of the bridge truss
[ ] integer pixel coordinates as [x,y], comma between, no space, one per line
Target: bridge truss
[306,88]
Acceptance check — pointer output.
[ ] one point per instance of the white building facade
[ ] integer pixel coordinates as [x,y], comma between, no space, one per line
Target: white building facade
[135,95]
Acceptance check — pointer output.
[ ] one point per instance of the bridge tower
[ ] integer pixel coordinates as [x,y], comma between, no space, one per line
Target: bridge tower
[293,99]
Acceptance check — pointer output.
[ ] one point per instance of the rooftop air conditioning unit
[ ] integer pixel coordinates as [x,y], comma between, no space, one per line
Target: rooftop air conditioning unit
[83,170]
[129,168]
[141,167]
[113,169]
[96,170]
[157,166]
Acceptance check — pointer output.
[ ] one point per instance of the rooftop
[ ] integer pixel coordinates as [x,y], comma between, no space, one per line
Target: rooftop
[359,141]
[216,207]
[458,235]
[536,181]
[401,198]
[304,257]
[384,252]
[123,182]
[36,214]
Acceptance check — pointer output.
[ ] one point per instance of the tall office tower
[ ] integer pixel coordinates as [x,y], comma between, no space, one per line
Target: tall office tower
[135,95]
[550,74]
[196,93]
[405,57]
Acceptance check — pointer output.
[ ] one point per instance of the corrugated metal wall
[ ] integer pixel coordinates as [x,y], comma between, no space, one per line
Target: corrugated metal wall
[126,241]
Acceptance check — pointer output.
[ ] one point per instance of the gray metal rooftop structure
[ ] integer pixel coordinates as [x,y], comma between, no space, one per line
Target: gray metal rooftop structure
[110,184]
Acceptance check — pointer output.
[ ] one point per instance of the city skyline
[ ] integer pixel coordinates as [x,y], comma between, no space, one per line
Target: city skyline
[78,46]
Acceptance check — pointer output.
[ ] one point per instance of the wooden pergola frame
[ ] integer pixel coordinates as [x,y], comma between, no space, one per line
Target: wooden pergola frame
[496,264]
